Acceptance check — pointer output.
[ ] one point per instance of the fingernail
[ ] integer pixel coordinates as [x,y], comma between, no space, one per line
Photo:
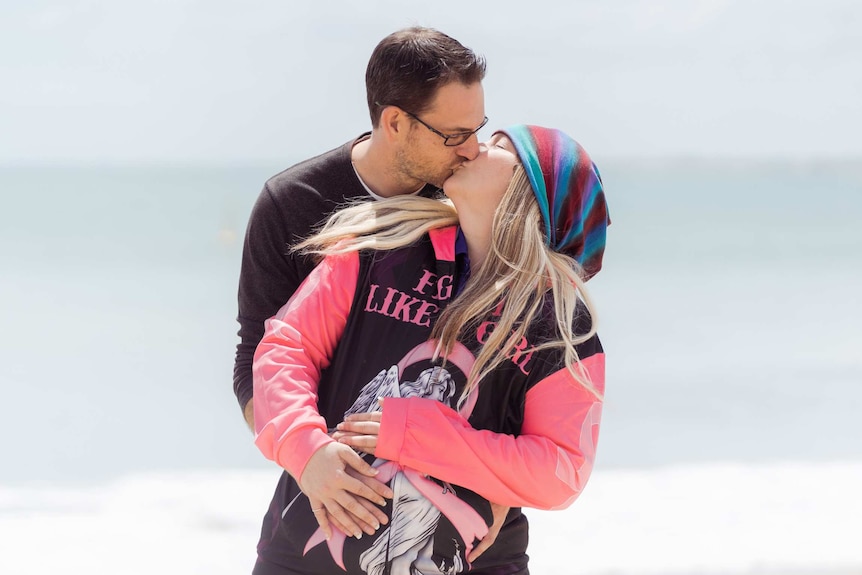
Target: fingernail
[339,426]
[358,535]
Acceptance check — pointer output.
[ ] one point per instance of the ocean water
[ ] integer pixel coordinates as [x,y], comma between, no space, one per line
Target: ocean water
[729,309]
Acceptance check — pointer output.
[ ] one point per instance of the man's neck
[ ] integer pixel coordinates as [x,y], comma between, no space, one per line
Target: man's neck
[376,168]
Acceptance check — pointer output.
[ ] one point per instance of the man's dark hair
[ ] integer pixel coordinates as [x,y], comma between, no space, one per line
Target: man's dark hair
[408,66]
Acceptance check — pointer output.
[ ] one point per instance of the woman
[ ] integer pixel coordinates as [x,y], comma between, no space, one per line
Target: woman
[479,340]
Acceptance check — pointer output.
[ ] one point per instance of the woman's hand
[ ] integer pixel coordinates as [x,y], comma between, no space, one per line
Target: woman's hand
[360,431]
[342,491]
[500,512]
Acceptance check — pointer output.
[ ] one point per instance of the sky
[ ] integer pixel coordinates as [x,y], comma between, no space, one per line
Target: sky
[92,81]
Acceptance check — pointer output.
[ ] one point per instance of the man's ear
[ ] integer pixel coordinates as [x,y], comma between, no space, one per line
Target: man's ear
[394,123]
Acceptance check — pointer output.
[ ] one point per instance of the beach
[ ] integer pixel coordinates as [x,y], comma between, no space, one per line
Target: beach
[730,435]
[784,519]
[136,138]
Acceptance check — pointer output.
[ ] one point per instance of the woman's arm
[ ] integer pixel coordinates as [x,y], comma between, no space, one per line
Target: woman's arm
[545,467]
[297,345]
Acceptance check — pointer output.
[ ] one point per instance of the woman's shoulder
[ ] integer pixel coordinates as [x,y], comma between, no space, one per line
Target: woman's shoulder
[545,330]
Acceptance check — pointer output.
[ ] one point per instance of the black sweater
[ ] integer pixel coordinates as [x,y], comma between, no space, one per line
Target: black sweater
[290,206]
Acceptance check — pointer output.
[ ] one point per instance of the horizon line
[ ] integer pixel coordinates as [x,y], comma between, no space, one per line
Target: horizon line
[285,162]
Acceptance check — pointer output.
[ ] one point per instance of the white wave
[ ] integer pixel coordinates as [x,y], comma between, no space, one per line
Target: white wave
[717,518]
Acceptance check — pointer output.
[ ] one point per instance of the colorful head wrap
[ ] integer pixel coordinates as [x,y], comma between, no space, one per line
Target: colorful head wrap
[569,190]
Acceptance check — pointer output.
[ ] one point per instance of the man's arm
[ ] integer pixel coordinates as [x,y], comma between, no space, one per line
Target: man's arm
[269,275]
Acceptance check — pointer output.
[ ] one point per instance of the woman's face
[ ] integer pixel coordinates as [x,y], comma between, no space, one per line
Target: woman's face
[481,183]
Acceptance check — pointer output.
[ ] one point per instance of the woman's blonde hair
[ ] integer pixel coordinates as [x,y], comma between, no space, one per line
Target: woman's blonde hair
[519,271]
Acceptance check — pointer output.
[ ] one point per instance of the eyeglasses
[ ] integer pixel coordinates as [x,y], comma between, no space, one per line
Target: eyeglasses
[450,140]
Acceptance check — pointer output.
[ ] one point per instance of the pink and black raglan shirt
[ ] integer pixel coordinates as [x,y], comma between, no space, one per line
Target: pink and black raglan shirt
[358,329]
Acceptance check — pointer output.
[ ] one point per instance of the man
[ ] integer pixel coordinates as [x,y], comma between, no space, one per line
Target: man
[423,126]
[426,104]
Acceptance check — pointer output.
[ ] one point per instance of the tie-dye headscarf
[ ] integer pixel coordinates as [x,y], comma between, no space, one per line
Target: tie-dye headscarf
[569,189]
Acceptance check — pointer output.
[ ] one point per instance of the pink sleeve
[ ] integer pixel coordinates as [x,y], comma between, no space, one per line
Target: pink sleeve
[545,467]
[297,345]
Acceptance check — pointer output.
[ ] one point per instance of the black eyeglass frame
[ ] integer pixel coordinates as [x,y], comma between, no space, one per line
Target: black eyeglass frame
[464,136]
[446,137]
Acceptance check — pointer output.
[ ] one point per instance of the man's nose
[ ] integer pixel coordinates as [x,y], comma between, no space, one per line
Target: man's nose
[469,149]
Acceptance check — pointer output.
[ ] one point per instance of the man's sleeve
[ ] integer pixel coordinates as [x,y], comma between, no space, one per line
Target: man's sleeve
[269,275]
[545,467]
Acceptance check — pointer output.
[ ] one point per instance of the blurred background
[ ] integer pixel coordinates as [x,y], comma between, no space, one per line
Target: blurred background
[135,137]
